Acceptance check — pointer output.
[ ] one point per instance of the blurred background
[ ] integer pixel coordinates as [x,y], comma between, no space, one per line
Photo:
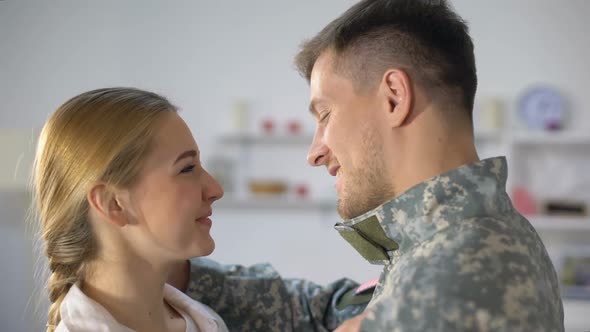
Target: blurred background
[228,66]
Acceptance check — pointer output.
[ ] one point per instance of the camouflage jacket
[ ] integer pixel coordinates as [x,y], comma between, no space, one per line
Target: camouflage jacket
[458,257]
[256,298]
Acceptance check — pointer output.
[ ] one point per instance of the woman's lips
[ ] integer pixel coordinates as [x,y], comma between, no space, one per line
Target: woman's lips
[205,221]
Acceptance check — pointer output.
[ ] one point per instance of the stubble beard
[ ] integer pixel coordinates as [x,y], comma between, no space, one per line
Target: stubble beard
[366,188]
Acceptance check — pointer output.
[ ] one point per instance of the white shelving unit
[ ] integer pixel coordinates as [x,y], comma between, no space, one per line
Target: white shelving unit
[500,143]
[514,144]
[563,153]
[246,146]
[542,162]
[271,203]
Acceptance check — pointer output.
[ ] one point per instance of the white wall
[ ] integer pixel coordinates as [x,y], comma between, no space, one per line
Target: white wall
[519,43]
[15,259]
[206,54]
[202,54]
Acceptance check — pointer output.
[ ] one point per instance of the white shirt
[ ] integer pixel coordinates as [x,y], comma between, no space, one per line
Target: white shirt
[79,313]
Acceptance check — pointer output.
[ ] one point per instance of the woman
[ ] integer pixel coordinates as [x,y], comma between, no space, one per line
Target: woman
[122,197]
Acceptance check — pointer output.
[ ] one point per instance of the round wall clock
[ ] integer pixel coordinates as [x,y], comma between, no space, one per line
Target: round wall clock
[542,108]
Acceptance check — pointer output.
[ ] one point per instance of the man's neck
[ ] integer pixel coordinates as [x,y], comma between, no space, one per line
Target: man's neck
[431,150]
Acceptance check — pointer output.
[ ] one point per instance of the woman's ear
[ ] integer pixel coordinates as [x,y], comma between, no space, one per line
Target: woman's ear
[398,90]
[106,202]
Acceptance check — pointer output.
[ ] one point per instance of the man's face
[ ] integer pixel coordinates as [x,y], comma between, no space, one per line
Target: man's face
[349,140]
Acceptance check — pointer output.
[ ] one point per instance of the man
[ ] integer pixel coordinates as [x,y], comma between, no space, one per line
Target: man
[392,89]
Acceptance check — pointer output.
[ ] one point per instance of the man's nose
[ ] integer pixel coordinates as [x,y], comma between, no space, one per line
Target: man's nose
[318,152]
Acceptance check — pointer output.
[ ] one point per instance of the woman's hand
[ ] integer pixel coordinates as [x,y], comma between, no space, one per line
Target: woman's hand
[352,325]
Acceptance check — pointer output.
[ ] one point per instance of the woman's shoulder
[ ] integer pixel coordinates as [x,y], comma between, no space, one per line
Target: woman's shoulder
[205,317]
[80,313]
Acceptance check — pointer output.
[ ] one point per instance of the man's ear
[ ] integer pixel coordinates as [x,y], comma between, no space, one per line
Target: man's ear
[400,95]
[106,201]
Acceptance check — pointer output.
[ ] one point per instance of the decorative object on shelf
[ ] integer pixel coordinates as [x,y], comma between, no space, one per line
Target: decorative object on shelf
[523,201]
[294,127]
[574,272]
[492,115]
[302,190]
[565,208]
[268,126]
[267,187]
[241,116]
[542,108]
[222,169]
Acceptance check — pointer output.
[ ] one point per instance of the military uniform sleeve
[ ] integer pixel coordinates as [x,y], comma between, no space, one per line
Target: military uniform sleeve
[423,312]
[463,281]
[257,298]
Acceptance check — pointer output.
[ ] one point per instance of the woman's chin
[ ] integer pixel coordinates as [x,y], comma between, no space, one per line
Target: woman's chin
[205,249]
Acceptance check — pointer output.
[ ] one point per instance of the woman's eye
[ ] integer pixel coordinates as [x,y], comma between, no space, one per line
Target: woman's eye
[325,116]
[188,169]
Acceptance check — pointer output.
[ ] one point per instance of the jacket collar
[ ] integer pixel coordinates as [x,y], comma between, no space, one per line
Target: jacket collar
[469,191]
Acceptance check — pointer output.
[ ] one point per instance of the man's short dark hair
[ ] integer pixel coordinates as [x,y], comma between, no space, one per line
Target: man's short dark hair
[427,39]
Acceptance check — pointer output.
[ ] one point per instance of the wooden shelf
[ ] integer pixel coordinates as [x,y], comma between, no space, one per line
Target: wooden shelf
[560,137]
[532,137]
[550,138]
[274,203]
[270,139]
[555,223]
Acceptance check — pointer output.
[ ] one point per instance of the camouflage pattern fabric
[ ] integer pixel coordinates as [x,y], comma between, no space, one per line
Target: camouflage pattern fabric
[256,298]
[464,259]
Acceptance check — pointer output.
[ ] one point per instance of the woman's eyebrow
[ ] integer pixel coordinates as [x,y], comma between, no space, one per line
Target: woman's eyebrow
[186,154]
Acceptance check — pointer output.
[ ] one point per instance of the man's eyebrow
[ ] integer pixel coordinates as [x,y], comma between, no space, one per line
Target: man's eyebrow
[186,154]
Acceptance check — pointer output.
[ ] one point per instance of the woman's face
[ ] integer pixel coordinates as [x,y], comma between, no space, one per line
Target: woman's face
[171,203]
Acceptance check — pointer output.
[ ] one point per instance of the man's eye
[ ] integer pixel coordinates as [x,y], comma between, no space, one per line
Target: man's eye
[324,116]
[188,169]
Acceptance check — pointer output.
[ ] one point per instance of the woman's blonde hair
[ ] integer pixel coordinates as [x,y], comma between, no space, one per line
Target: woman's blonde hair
[100,135]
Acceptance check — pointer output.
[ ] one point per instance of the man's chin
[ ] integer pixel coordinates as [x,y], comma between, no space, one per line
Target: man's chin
[345,212]
[341,210]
